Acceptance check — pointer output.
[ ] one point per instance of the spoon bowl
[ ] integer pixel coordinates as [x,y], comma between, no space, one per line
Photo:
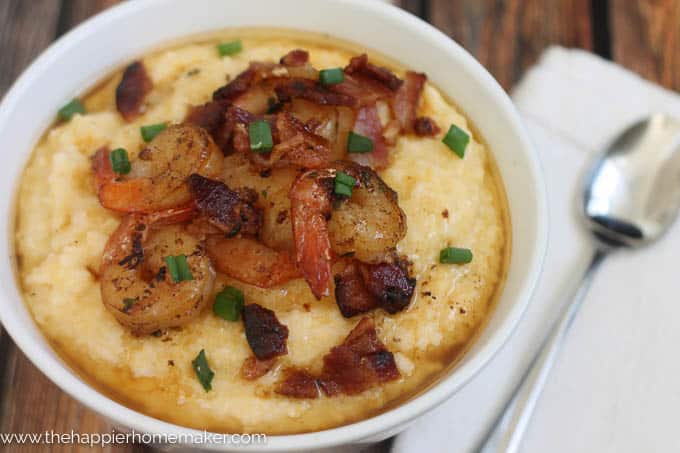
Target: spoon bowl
[632,193]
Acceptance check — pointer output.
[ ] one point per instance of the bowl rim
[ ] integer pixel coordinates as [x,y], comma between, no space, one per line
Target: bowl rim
[59,373]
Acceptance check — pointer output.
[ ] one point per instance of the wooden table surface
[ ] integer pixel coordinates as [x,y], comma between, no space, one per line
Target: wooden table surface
[506,36]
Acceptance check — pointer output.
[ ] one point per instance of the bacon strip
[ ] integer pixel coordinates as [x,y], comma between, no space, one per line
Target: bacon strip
[359,363]
[265,334]
[407,98]
[368,124]
[351,293]
[312,91]
[132,90]
[359,66]
[361,287]
[231,211]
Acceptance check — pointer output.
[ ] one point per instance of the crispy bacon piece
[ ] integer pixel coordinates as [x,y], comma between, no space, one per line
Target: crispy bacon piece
[361,287]
[298,383]
[425,126]
[359,363]
[231,211]
[294,142]
[209,116]
[311,90]
[368,124]
[298,145]
[351,293]
[390,284]
[407,98]
[297,57]
[238,85]
[359,66]
[132,90]
[265,334]
[254,368]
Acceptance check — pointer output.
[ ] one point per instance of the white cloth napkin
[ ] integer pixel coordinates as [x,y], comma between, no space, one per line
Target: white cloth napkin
[616,386]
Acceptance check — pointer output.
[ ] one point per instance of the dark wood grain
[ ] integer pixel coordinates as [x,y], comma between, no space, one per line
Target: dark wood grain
[74,12]
[507,36]
[26,28]
[646,38]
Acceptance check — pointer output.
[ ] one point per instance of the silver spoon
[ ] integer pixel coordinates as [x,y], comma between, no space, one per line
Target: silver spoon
[631,197]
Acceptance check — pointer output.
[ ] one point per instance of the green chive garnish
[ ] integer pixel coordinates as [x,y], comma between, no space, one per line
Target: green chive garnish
[455,255]
[456,139]
[229,48]
[331,76]
[357,143]
[119,161]
[229,303]
[344,184]
[150,131]
[70,109]
[260,134]
[178,268]
[203,372]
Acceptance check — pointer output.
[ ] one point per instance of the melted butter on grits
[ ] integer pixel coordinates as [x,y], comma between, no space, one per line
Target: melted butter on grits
[61,230]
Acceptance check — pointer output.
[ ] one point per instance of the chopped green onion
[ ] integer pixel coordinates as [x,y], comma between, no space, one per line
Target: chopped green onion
[150,131]
[457,140]
[357,143]
[331,76]
[230,48]
[70,109]
[344,178]
[119,161]
[455,255]
[229,303]
[260,134]
[344,184]
[178,268]
[203,372]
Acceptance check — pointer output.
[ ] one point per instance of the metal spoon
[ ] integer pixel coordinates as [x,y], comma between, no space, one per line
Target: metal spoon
[631,197]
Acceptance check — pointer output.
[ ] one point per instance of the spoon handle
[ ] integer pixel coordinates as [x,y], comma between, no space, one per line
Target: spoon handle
[508,429]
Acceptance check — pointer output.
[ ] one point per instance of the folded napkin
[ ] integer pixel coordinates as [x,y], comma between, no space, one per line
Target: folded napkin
[616,385]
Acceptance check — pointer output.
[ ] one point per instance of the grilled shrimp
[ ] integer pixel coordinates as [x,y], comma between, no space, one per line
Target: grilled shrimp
[158,177]
[137,287]
[367,226]
[252,262]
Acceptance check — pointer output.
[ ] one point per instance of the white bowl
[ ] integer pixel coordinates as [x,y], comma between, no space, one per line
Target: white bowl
[91,51]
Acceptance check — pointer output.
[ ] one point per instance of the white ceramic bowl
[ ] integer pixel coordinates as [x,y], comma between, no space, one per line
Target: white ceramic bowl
[91,51]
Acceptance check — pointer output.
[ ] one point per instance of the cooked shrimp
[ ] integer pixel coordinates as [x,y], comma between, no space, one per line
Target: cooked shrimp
[136,286]
[367,226]
[158,177]
[252,262]
[310,207]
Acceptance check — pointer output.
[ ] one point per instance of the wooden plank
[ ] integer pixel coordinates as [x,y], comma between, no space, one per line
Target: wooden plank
[26,28]
[416,7]
[74,12]
[646,38]
[507,36]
